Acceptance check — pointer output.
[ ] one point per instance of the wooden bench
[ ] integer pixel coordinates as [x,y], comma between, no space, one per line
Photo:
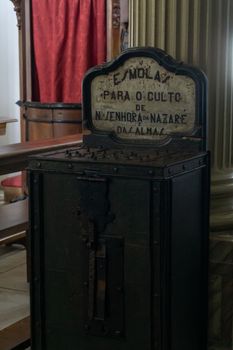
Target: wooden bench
[15,157]
[3,122]
[16,336]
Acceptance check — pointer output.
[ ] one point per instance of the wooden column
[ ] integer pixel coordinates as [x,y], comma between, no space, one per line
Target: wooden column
[200,32]
[113,28]
[23,13]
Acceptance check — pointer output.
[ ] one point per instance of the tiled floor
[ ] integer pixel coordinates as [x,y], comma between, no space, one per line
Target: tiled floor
[14,290]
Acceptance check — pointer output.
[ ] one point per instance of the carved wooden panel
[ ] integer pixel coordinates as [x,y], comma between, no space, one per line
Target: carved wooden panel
[18,10]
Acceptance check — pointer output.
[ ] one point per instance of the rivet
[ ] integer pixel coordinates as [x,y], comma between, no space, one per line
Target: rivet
[115,170]
[35,181]
[70,166]
[38,164]
[117,333]
[119,289]
[150,172]
[68,153]
[85,284]
[86,327]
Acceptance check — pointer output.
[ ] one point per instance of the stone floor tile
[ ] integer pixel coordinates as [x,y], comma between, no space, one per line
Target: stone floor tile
[11,257]
[14,305]
[15,279]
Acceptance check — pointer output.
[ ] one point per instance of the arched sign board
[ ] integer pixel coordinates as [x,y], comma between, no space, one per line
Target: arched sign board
[145,98]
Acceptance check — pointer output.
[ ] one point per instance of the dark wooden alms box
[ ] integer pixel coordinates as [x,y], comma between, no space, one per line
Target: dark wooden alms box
[119,225]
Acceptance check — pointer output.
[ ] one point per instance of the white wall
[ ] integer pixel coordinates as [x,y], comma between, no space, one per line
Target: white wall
[9,71]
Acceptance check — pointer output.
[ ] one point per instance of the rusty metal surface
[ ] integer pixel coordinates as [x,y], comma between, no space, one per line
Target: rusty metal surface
[129,156]
[106,257]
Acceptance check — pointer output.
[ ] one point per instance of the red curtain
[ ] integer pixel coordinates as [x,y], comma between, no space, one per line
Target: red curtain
[69,36]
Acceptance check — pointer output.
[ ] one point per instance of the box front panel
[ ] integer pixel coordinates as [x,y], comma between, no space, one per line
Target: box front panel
[96,263]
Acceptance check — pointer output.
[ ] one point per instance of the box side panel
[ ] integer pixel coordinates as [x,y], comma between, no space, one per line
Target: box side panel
[157,265]
[189,256]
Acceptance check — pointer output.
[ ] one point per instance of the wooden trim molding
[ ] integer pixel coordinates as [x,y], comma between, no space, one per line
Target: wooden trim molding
[117,26]
[22,9]
[116,14]
[18,10]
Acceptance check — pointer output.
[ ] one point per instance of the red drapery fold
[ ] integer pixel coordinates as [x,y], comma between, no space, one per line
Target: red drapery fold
[69,36]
